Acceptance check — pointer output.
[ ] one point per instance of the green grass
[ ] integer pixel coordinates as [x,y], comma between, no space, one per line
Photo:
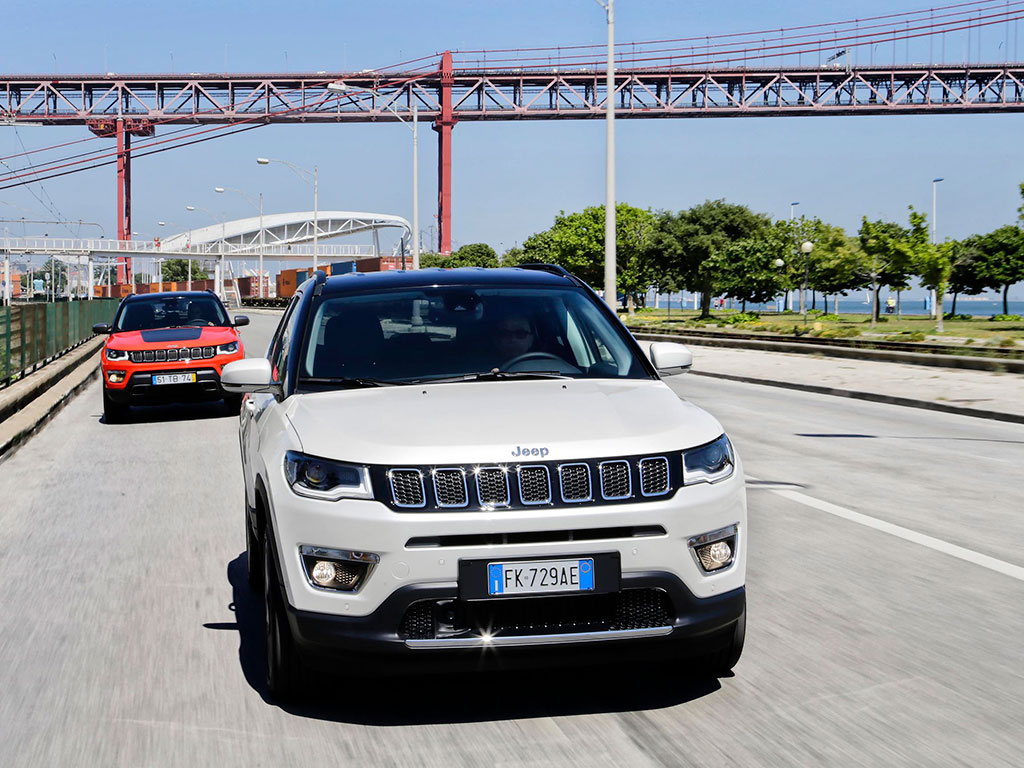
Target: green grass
[912,327]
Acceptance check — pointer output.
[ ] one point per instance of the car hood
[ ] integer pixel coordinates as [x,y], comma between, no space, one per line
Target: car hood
[160,338]
[492,421]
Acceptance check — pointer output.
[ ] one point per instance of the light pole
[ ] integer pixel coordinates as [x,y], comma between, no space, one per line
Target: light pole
[789,294]
[303,174]
[806,247]
[610,294]
[259,207]
[935,187]
[343,88]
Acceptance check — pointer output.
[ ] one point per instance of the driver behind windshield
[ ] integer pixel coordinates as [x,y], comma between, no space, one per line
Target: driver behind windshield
[513,336]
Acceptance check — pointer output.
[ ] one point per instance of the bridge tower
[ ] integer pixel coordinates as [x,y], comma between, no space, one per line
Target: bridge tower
[443,125]
[123,130]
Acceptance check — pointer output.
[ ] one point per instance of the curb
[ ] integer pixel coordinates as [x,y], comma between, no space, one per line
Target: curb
[37,409]
[21,393]
[879,355]
[874,397]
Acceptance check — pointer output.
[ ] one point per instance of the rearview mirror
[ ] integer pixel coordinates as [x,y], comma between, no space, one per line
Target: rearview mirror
[670,358]
[252,374]
[241,320]
[101,328]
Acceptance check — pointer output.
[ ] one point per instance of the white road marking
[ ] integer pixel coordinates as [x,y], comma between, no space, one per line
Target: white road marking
[969,555]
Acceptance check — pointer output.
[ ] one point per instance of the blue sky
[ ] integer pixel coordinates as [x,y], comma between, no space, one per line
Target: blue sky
[510,179]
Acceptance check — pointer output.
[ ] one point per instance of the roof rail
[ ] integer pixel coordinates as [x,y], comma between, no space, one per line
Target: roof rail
[554,269]
[321,278]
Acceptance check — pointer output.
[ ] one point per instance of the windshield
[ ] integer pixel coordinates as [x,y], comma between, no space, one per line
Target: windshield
[457,332]
[168,311]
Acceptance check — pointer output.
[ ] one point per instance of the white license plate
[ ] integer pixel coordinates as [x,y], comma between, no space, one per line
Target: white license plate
[175,378]
[539,576]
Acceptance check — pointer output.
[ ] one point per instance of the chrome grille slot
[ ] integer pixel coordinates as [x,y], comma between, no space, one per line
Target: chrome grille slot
[135,357]
[407,487]
[534,484]
[161,355]
[172,354]
[208,352]
[654,476]
[450,487]
[575,482]
[149,355]
[616,482]
[492,486]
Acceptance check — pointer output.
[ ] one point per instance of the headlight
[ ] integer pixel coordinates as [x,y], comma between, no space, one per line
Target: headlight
[709,463]
[117,354]
[325,479]
[227,349]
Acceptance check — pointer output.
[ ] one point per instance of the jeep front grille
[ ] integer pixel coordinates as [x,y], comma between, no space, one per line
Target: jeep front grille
[450,487]
[510,485]
[575,482]
[492,486]
[654,476]
[407,487]
[534,484]
[171,355]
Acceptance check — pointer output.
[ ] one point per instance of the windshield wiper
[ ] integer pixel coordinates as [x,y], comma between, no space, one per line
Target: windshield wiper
[346,381]
[494,374]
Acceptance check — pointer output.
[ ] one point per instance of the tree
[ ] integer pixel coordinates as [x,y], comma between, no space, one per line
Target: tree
[965,277]
[513,256]
[839,269]
[473,255]
[176,271]
[576,242]
[999,260]
[932,263]
[885,262]
[684,245]
[825,262]
[746,269]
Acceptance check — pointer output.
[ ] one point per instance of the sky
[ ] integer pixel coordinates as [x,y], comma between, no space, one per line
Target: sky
[510,179]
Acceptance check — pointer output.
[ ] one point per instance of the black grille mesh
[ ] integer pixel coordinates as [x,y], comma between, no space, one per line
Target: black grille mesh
[534,485]
[407,487]
[615,479]
[492,483]
[450,487]
[629,609]
[654,476]
[575,479]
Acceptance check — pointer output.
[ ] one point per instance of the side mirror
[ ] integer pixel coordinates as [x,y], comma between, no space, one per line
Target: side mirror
[252,374]
[101,328]
[670,358]
[241,320]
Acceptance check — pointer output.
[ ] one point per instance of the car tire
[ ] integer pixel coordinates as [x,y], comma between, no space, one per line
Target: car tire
[253,557]
[113,413]
[721,661]
[283,665]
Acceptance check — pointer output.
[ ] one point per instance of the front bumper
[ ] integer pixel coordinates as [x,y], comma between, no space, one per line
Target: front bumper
[138,389]
[694,625]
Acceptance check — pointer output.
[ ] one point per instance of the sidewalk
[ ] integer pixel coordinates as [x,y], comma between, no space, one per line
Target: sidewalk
[976,393]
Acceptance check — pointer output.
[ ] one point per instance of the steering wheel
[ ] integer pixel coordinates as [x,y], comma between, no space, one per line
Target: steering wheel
[562,367]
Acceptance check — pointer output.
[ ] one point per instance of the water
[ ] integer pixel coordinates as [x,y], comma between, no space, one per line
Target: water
[983,308]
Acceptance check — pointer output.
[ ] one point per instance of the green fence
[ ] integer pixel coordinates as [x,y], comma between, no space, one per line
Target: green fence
[33,334]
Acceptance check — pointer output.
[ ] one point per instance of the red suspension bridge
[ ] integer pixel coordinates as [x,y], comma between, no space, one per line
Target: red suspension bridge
[810,70]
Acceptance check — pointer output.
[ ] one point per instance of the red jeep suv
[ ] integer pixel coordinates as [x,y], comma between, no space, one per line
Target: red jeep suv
[167,347]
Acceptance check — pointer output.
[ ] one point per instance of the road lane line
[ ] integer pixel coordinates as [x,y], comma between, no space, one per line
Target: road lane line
[969,555]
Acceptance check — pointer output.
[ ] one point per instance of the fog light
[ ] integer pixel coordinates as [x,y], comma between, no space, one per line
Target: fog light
[715,550]
[323,573]
[336,569]
[115,377]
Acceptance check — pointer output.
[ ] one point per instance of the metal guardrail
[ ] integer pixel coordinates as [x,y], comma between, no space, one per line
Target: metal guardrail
[33,334]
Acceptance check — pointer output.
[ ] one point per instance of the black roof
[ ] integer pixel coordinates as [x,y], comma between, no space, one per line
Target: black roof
[168,295]
[436,276]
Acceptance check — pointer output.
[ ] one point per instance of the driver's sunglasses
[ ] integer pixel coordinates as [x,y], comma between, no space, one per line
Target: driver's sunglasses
[515,333]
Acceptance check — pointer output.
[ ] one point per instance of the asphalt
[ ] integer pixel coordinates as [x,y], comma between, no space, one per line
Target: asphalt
[130,639]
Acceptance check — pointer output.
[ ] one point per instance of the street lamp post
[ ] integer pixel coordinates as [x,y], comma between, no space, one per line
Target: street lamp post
[343,88]
[610,293]
[303,174]
[259,207]
[806,247]
[935,186]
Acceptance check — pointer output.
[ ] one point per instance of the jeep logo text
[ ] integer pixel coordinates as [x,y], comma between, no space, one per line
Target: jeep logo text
[522,450]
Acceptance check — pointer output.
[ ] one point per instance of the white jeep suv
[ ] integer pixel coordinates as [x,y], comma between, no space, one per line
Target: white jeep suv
[480,463]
